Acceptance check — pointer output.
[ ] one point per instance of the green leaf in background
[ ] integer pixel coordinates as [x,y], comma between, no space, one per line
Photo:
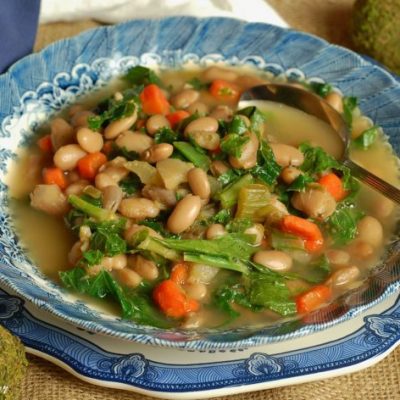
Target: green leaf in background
[319,88]
[165,135]
[349,104]
[141,76]
[367,138]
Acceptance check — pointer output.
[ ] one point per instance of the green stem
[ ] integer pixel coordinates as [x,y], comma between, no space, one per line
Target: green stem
[101,214]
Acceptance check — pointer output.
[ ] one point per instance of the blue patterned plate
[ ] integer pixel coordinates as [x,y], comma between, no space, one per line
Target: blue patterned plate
[41,84]
[171,374]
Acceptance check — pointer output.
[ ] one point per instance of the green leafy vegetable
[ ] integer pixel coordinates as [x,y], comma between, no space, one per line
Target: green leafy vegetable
[101,214]
[130,185]
[229,176]
[198,159]
[239,225]
[221,217]
[232,144]
[165,135]
[267,168]
[197,84]
[317,271]
[228,197]
[237,126]
[321,89]
[349,104]
[141,76]
[123,152]
[367,138]
[92,257]
[300,183]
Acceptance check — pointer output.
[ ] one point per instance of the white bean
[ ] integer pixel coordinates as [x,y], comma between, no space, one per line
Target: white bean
[89,140]
[184,214]
[67,157]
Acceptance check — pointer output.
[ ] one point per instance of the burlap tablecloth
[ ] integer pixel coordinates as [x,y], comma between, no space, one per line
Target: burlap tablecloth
[44,381]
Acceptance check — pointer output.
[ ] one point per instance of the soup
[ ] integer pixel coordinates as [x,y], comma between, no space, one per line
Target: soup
[160,196]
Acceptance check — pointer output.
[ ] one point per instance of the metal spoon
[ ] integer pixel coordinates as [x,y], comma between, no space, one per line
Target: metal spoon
[314,105]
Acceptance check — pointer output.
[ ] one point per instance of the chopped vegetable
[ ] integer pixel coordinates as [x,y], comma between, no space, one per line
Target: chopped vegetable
[45,144]
[192,154]
[224,90]
[54,176]
[89,165]
[153,100]
[176,117]
[367,138]
[141,76]
[334,186]
[313,299]
[229,195]
[251,199]
[232,144]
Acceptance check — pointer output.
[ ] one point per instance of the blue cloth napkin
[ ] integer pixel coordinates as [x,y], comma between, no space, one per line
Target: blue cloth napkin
[18,26]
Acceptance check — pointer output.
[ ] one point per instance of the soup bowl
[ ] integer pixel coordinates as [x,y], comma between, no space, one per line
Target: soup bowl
[42,84]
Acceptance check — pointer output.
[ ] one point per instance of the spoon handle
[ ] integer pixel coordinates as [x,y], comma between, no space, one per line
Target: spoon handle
[374,181]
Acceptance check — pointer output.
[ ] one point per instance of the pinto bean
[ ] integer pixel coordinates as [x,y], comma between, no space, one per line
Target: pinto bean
[89,140]
[67,157]
[273,259]
[345,275]
[134,141]
[289,174]
[198,107]
[102,180]
[315,201]
[112,197]
[184,214]
[129,278]
[199,183]
[218,168]
[335,100]
[50,199]
[212,73]
[61,133]
[248,158]
[75,254]
[147,269]
[158,152]
[166,197]
[338,257]
[119,126]
[184,98]
[382,207]
[206,140]
[202,124]
[215,231]
[138,208]
[156,122]
[223,112]
[286,155]
[76,187]
[370,230]
[80,119]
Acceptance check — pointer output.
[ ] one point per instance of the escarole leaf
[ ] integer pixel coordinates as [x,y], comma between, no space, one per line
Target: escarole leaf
[349,104]
[367,138]
[135,305]
[141,76]
[232,144]
[267,168]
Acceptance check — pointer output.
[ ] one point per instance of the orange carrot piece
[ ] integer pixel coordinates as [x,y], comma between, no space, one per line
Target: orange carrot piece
[224,90]
[177,116]
[140,123]
[90,164]
[333,185]
[153,100]
[107,147]
[172,300]
[45,144]
[54,176]
[179,273]
[305,229]
[313,298]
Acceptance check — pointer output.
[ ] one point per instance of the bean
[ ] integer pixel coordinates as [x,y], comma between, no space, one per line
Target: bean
[134,141]
[345,275]
[73,176]
[248,157]
[198,182]
[289,174]
[67,157]
[257,230]
[76,188]
[102,180]
[89,140]
[129,278]
[50,199]
[158,152]
[206,140]
[80,119]
[223,112]
[315,201]
[273,259]
[75,109]
[61,133]
[156,122]
[119,261]
[84,233]
[335,100]
[247,81]
[218,168]
[212,73]
[119,126]
[138,208]
[198,107]
[197,291]
[118,96]
[112,197]
[370,230]
[361,250]
[147,269]
[202,124]
[184,214]
[286,155]
[184,98]
[75,254]
[114,171]
[215,231]
[338,257]
[166,197]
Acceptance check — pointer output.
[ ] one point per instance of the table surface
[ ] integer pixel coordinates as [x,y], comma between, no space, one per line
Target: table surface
[328,19]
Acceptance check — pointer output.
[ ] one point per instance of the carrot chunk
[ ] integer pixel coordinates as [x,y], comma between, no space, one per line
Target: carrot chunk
[54,176]
[224,90]
[172,300]
[45,144]
[177,116]
[313,298]
[153,100]
[179,273]
[307,230]
[90,164]
[333,185]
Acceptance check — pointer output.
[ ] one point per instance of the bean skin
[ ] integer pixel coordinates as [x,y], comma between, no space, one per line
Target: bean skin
[370,230]
[134,141]
[206,140]
[184,98]
[202,124]
[158,152]
[119,126]
[222,112]
[89,140]
[80,119]
[147,269]
[184,214]
[76,187]
[67,157]
[155,122]
[199,183]
[338,257]
[198,107]
[273,259]
[289,174]
[138,208]
[129,278]
[345,275]
[286,155]
[218,168]
[215,231]
[257,230]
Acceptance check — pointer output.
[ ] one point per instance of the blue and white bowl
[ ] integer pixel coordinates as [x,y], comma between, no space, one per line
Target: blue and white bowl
[40,85]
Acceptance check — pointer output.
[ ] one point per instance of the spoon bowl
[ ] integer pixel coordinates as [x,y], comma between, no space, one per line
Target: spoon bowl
[312,104]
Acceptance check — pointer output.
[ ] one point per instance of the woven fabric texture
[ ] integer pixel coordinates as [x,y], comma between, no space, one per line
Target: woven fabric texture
[328,19]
